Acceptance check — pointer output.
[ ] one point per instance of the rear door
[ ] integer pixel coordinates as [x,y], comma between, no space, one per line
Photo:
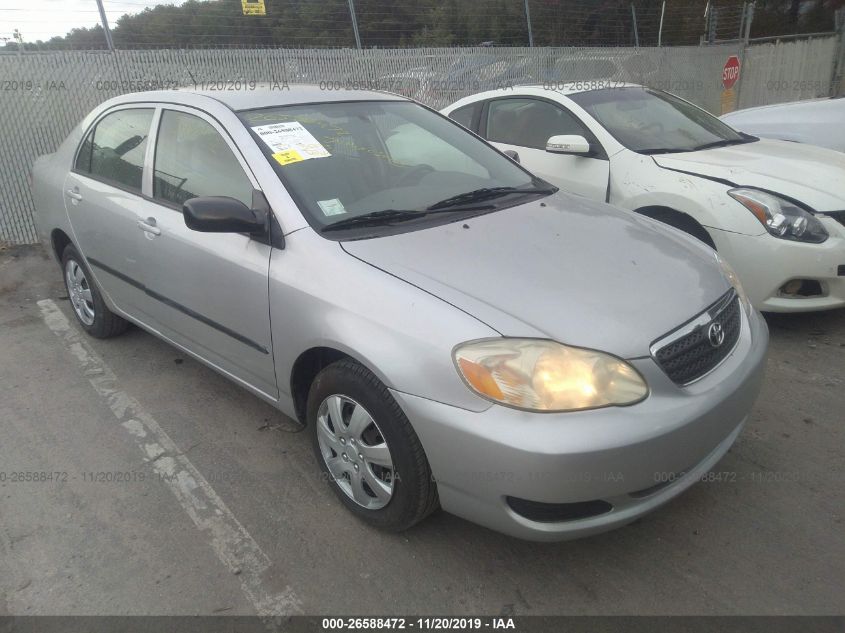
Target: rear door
[525,124]
[104,201]
[209,291]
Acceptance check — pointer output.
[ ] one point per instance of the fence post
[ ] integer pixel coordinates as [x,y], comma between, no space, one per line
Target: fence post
[660,28]
[748,18]
[354,23]
[837,82]
[712,22]
[636,33]
[528,22]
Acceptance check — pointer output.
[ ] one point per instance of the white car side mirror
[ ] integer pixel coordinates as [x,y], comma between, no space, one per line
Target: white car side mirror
[568,144]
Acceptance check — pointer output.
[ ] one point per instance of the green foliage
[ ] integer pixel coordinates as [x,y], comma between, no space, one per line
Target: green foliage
[402,23]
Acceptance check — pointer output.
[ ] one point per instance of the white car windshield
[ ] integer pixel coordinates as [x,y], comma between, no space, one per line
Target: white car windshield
[654,122]
[382,158]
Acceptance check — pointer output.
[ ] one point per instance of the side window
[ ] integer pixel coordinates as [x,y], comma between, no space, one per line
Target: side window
[193,160]
[83,158]
[528,122]
[465,115]
[116,151]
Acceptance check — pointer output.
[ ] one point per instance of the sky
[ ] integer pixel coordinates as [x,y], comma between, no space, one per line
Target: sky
[43,19]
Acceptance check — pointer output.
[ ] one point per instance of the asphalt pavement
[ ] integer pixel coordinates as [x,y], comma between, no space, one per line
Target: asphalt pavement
[134,480]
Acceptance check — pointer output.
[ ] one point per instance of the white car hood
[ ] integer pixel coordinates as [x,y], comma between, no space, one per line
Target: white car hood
[812,175]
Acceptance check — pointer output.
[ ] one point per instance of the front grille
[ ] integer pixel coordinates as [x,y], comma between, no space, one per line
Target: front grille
[692,351]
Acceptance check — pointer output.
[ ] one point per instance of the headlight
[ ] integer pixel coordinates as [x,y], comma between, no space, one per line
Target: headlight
[780,217]
[733,279]
[541,375]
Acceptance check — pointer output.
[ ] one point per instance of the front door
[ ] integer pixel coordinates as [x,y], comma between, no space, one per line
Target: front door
[525,124]
[209,291]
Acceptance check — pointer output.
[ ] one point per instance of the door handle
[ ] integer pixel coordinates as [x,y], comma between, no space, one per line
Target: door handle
[149,226]
[74,194]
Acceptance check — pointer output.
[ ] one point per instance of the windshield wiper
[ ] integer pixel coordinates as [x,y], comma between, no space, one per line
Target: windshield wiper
[662,150]
[450,205]
[375,218]
[722,143]
[485,193]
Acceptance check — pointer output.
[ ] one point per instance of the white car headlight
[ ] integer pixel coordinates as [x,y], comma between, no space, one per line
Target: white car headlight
[542,375]
[781,217]
[733,279]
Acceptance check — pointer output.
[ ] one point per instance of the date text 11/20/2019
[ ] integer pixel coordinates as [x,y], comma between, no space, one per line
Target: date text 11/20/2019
[431,623]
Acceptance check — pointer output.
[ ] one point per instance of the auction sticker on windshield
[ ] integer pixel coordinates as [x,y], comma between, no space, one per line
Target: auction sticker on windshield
[331,207]
[290,142]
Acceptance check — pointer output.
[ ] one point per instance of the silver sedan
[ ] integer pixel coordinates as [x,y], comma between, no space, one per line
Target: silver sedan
[454,331]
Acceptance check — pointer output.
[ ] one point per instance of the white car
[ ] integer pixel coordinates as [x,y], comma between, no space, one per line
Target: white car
[774,210]
[816,121]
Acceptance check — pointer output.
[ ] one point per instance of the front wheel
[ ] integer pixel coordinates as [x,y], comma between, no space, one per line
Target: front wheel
[367,449]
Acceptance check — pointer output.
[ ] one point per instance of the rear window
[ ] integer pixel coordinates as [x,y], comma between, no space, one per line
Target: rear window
[114,150]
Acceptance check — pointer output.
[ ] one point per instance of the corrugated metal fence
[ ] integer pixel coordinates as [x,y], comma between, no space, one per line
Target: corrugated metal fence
[44,95]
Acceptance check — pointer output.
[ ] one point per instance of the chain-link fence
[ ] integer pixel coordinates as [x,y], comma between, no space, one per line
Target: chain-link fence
[44,95]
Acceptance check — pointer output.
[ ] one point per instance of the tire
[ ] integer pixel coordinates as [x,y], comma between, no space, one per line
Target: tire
[92,314]
[369,413]
[684,223]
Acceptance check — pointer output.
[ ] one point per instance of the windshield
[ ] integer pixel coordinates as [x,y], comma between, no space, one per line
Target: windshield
[651,121]
[342,160]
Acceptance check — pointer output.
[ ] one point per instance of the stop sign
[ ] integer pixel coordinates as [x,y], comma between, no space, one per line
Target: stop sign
[730,73]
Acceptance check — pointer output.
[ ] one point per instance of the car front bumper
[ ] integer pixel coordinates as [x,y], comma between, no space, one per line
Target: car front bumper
[765,263]
[632,458]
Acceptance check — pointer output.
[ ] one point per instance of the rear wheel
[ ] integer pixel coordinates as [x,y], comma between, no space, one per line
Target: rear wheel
[367,449]
[85,298]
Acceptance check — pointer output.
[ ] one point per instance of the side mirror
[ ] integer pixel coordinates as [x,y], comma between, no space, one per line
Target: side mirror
[221,214]
[569,144]
[512,155]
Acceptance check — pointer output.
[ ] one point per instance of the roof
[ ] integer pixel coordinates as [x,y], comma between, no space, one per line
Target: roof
[243,97]
[562,88]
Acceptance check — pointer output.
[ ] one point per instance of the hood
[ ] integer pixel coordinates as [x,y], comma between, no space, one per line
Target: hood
[812,175]
[579,272]
[784,111]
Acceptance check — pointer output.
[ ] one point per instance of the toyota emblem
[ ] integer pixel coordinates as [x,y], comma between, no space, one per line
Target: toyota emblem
[716,334]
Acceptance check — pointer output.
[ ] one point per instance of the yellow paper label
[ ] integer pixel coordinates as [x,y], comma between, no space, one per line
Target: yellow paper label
[288,156]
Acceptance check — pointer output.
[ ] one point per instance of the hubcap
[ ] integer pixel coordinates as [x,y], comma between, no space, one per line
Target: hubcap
[355,452]
[79,292]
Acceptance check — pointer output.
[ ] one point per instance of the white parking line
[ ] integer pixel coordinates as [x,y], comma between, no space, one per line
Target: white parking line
[231,542]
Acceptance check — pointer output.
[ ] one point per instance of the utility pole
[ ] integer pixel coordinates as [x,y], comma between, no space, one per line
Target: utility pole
[354,23]
[528,21]
[105,22]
